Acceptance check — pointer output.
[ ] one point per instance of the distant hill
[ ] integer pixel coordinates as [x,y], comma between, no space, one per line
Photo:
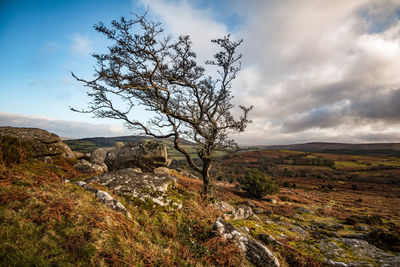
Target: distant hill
[340,148]
[89,144]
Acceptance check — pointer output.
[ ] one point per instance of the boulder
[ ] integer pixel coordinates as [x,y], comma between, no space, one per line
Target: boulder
[79,155]
[225,207]
[144,186]
[42,142]
[231,213]
[269,240]
[119,144]
[99,155]
[161,170]
[85,166]
[146,155]
[255,252]
[111,202]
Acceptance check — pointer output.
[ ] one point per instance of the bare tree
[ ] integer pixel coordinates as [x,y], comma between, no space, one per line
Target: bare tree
[143,67]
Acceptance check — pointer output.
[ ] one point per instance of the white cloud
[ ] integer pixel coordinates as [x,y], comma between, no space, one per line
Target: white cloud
[180,18]
[81,45]
[314,70]
[323,70]
[62,128]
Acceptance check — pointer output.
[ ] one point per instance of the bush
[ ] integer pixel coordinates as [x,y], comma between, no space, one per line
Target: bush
[12,150]
[258,184]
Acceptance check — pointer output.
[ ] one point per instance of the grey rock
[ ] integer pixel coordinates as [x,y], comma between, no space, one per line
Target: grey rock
[232,213]
[304,210]
[225,207]
[258,211]
[48,160]
[79,155]
[119,144]
[362,228]
[255,252]
[41,142]
[133,183]
[335,263]
[161,170]
[250,204]
[111,202]
[242,212]
[99,155]
[85,166]
[271,200]
[297,229]
[269,240]
[364,253]
[146,155]
[81,183]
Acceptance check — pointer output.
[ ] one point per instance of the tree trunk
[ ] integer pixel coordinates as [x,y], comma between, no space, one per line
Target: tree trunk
[207,189]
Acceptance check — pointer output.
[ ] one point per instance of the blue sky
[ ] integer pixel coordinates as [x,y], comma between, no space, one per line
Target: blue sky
[42,42]
[315,71]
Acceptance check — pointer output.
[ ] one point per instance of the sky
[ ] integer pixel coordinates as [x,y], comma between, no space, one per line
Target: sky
[314,70]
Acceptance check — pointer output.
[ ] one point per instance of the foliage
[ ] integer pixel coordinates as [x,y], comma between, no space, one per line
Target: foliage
[258,184]
[13,150]
[144,67]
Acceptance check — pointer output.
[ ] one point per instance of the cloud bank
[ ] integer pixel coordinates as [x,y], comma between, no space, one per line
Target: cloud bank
[62,128]
[314,70]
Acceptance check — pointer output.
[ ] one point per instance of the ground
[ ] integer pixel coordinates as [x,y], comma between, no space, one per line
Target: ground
[321,214]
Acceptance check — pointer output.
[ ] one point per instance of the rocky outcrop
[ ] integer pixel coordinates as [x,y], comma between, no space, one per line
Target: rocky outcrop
[79,155]
[85,166]
[98,155]
[111,202]
[338,250]
[40,141]
[231,213]
[146,155]
[106,199]
[144,186]
[255,252]
[162,170]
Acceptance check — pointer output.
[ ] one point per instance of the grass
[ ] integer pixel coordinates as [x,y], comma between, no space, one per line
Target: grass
[45,221]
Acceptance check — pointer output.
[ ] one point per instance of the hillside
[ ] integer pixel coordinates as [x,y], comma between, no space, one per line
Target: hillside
[339,148]
[331,210]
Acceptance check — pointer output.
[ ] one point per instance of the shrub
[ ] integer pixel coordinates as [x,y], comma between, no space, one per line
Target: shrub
[258,184]
[13,150]
[286,184]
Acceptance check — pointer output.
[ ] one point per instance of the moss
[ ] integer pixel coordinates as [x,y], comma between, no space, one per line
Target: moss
[308,248]
[348,256]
